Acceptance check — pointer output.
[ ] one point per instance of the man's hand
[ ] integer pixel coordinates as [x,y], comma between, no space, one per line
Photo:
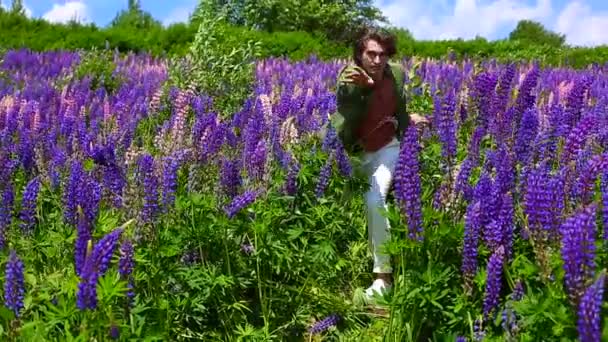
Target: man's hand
[358,77]
[418,119]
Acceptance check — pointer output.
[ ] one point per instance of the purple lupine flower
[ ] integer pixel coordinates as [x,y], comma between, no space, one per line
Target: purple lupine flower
[577,137]
[604,190]
[537,201]
[446,125]
[70,193]
[6,212]
[506,217]
[484,192]
[90,197]
[324,176]
[28,205]
[407,183]
[83,236]
[585,183]
[575,102]
[589,311]
[240,202]
[247,248]
[342,161]
[230,177]
[500,101]
[169,181]
[525,134]
[14,285]
[461,339]
[324,324]
[114,332]
[475,144]
[472,229]
[493,281]
[330,140]
[95,267]
[291,183]
[483,89]
[525,97]
[463,187]
[151,188]
[578,250]
[114,181]
[518,291]
[257,161]
[126,264]
[505,171]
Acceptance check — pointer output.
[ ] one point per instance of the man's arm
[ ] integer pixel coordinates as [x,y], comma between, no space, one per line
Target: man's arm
[350,99]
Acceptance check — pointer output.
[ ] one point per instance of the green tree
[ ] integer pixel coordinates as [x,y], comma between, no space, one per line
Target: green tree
[335,19]
[17,7]
[134,18]
[534,33]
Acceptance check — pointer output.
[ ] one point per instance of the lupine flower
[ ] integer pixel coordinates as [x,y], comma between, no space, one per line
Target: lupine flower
[604,190]
[114,332]
[151,190]
[472,228]
[95,267]
[578,250]
[6,212]
[257,161]
[407,183]
[126,264]
[169,181]
[240,202]
[526,133]
[463,186]
[518,291]
[324,176]
[14,285]
[247,248]
[28,205]
[342,161]
[525,96]
[230,178]
[577,137]
[589,311]
[291,183]
[324,324]
[493,281]
[83,236]
[446,125]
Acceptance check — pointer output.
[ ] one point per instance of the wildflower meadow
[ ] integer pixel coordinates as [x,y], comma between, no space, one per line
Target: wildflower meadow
[133,207]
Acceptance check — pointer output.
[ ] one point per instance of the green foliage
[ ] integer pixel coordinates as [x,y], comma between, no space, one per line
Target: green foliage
[134,18]
[39,35]
[534,33]
[98,67]
[337,20]
[219,64]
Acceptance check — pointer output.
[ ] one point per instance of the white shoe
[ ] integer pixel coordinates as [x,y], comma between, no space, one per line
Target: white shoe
[379,288]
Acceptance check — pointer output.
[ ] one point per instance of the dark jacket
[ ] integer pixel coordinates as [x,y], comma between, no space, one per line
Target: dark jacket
[352,103]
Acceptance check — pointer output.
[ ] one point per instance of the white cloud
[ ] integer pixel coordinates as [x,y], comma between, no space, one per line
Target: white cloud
[7,6]
[177,15]
[467,19]
[62,13]
[582,26]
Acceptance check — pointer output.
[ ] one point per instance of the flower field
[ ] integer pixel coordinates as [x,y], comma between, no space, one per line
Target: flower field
[133,209]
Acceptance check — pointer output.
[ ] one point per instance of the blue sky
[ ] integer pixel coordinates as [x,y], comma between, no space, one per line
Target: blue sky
[584,22]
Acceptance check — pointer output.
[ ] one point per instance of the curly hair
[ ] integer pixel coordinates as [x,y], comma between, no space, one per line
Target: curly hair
[383,37]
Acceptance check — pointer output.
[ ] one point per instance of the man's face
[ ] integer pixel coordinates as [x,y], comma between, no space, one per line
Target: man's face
[374,58]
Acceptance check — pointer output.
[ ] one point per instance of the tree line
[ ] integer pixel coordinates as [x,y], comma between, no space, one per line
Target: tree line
[290,28]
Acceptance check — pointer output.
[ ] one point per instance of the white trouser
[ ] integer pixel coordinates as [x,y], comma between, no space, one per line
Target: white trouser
[379,167]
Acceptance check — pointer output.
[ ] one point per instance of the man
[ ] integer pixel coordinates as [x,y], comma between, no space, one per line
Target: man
[370,120]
